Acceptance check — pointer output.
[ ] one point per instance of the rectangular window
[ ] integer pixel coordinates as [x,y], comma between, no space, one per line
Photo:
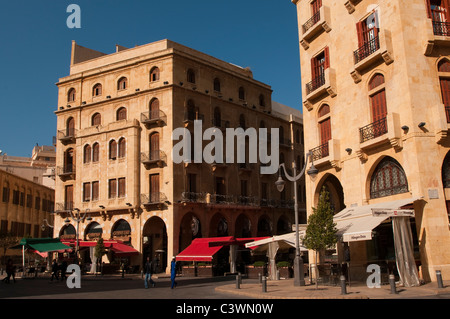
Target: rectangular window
[29,200]
[36,231]
[154,188]
[37,203]
[5,194]
[112,188]
[122,187]
[86,192]
[3,227]
[16,197]
[95,190]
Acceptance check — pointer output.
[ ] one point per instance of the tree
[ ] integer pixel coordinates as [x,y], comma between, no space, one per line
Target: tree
[7,240]
[321,230]
[99,251]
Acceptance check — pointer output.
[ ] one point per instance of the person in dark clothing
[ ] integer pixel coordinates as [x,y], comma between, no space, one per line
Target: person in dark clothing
[55,269]
[10,272]
[173,272]
[148,270]
[63,270]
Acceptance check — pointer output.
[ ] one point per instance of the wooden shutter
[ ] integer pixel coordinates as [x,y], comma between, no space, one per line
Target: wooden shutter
[154,188]
[68,196]
[154,146]
[379,109]
[314,68]
[86,192]
[445,7]
[122,187]
[360,32]
[315,5]
[95,190]
[122,147]
[428,7]
[112,149]
[112,188]
[445,90]
[70,127]
[325,131]
[154,109]
[327,58]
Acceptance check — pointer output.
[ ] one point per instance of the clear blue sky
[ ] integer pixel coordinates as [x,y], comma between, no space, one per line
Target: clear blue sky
[35,45]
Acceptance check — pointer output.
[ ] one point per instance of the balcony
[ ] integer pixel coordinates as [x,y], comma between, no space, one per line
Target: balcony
[153,159]
[437,34]
[441,121]
[378,49]
[64,207]
[67,136]
[153,118]
[318,23]
[192,197]
[386,131]
[373,130]
[191,116]
[324,84]
[66,172]
[327,154]
[154,201]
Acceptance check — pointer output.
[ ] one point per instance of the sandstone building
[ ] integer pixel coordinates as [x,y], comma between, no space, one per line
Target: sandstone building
[375,77]
[115,118]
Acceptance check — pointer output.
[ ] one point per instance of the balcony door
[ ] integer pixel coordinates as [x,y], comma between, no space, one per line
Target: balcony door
[69,161]
[154,146]
[70,129]
[439,10]
[154,109]
[68,195]
[154,188]
[325,131]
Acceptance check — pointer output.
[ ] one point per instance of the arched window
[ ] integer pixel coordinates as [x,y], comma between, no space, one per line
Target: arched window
[377,96]
[71,95]
[70,127]
[262,101]
[324,110]
[95,152]
[154,74]
[217,117]
[324,129]
[69,161]
[154,109]
[154,147]
[122,147]
[241,93]
[112,150]
[242,121]
[97,90]
[96,119]
[121,114]
[122,84]
[388,179]
[216,85]
[446,171]
[87,153]
[191,114]
[190,76]
[444,66]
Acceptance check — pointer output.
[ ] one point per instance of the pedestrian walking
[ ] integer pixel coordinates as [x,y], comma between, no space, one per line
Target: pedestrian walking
[173,272]
[55,269]
[10,272]
[148,270]
[63,270]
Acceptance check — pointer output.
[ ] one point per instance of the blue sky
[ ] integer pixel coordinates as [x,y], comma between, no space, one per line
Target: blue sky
[35,45]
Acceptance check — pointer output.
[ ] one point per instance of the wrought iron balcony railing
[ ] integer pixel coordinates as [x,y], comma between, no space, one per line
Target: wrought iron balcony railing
[65,170]
[153,157]
[153,198]
[367,49]
[67,135]
[441,28]
[153,117]
[315,83]
[373,130]
[447,113]
[320,152]
[311,22]
[64,207]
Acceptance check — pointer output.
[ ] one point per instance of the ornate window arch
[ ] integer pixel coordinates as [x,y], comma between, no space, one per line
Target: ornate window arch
[154,74]
[388,179]
[71,95]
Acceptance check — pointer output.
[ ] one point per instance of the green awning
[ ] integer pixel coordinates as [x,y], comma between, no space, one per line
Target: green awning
[43,245]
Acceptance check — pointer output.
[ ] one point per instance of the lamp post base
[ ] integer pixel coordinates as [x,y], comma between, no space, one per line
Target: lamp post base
[299,277]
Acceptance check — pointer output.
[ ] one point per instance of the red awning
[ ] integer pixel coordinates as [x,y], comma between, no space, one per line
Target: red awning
[234,241]
[123,250]
[200,249]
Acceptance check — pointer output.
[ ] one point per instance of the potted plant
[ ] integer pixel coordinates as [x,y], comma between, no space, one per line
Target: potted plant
[253,271]
[285,269]
[204,270]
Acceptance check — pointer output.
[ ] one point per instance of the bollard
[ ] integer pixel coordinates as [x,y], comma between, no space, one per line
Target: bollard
[260,278]
[240,277]
[392,283]
[278,275]
[238,282]
[343,285]
[439,279]
[264,284]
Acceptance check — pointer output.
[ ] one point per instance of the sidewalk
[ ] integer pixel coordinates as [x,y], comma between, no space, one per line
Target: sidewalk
[285,289]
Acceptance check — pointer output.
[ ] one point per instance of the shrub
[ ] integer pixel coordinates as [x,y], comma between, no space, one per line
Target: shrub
[259,264]
[283,264]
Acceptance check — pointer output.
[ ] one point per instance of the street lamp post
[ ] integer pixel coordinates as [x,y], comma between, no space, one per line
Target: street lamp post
[77,218]
[299,279]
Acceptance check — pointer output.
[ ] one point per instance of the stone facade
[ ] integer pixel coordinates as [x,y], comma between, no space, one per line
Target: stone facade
[167,86]
[402,45]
